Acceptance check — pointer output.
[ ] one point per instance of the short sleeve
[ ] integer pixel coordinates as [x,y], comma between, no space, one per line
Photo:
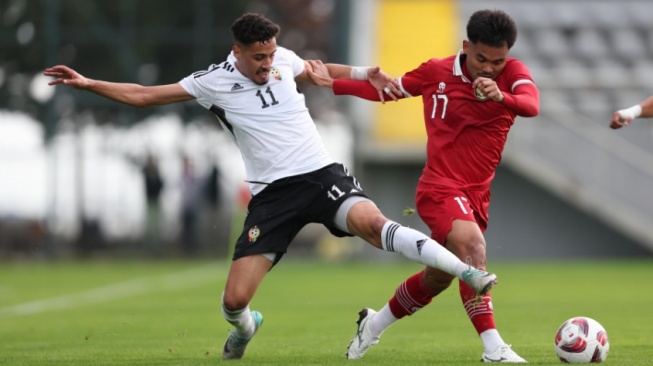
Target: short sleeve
[194,85]
[296,62]
[411,82]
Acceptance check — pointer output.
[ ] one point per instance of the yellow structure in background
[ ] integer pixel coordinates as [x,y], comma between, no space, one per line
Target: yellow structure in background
[409,32]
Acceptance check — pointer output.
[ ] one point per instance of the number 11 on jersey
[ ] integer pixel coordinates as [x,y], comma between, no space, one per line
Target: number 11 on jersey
[265,103]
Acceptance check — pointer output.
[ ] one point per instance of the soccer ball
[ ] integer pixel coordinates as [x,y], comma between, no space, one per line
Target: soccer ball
[582,340]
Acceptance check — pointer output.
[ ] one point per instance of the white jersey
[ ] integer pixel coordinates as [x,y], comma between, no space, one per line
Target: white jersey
[270,123]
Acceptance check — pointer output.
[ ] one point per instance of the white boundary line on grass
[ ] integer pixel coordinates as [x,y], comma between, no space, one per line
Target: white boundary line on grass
[139,286]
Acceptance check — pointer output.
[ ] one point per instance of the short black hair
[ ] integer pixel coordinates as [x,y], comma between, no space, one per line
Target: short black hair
[251,28]
[492,27]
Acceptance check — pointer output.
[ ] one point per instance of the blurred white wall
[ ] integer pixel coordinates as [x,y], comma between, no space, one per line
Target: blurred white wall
[94,171]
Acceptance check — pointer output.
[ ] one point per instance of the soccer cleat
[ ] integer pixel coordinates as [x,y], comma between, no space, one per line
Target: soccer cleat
[480,281]
[363,339]
[234,347]
[502,354]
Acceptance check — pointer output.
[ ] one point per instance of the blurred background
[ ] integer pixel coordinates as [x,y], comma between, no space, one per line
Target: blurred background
[81,176]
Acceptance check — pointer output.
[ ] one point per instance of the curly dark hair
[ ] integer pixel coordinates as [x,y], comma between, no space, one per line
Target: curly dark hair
[251,28]
[492,27]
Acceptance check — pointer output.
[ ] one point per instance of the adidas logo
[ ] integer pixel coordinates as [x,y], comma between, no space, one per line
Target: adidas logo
[420,244]
[236,87]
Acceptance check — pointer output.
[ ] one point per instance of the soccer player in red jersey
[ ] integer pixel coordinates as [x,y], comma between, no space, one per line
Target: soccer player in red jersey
[470,101]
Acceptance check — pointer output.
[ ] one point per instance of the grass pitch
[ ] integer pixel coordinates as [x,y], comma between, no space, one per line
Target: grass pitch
[168,313]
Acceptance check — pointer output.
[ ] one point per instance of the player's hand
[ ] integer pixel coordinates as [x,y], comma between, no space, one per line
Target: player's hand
[66,75]
[384,84]
[319,73]
[619,121]
[488,87]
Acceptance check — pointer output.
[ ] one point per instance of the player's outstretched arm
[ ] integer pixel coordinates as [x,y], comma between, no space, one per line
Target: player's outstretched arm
[623,117]
[374,87]
[317,73]
[131,94]
[324,75]
[647,108]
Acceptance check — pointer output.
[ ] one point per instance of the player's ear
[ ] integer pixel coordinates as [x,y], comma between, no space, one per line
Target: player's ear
[236,50]
[465,46]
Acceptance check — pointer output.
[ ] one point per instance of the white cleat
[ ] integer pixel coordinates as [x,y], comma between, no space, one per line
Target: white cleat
[502,354]
[480,281]
[234,347]
[363,339]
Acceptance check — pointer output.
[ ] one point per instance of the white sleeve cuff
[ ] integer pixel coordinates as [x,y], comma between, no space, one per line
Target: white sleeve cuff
[359,72]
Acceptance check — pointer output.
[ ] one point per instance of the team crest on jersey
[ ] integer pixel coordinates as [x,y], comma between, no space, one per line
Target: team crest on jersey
[253,234]
[441,87]
[478,93]
[275,73]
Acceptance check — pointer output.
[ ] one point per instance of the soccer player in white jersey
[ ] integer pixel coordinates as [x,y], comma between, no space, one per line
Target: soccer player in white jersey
[292,179]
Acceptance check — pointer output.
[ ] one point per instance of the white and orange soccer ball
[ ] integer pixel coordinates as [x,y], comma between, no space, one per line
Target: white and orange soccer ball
[582,340]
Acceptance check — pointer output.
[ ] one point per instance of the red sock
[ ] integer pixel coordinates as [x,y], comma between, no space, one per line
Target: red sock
[410,296]
[479,309]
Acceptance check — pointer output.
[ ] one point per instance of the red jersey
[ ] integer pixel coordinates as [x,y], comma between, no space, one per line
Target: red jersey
[466,135]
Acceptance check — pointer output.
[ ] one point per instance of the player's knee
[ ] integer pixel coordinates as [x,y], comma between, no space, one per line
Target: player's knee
[368,224]
[476,252]
[468,245]
[233,302]
[376,224]
[475,246]
[472,253]
[373,229]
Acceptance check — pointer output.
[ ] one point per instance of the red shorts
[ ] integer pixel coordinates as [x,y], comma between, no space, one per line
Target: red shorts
[439,206]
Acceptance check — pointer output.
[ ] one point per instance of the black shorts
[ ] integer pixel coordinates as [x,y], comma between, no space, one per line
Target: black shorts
[277,213]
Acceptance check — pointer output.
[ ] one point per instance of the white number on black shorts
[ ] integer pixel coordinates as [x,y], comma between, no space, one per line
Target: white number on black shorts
[337,191]
[356,183]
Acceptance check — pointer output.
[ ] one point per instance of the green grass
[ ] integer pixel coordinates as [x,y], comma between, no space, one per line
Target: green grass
[168,313]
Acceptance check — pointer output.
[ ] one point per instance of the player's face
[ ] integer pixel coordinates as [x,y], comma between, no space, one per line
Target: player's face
[483,60]
[255,61]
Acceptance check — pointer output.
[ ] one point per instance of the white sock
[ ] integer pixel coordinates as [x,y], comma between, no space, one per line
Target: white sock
[242,320]
[381,321]
[491,340]
[420,248]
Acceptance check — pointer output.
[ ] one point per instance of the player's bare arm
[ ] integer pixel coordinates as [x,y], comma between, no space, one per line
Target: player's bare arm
[131,94]
[623,117]
[318,73]
[379,79]
[647,108]
[324,74]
